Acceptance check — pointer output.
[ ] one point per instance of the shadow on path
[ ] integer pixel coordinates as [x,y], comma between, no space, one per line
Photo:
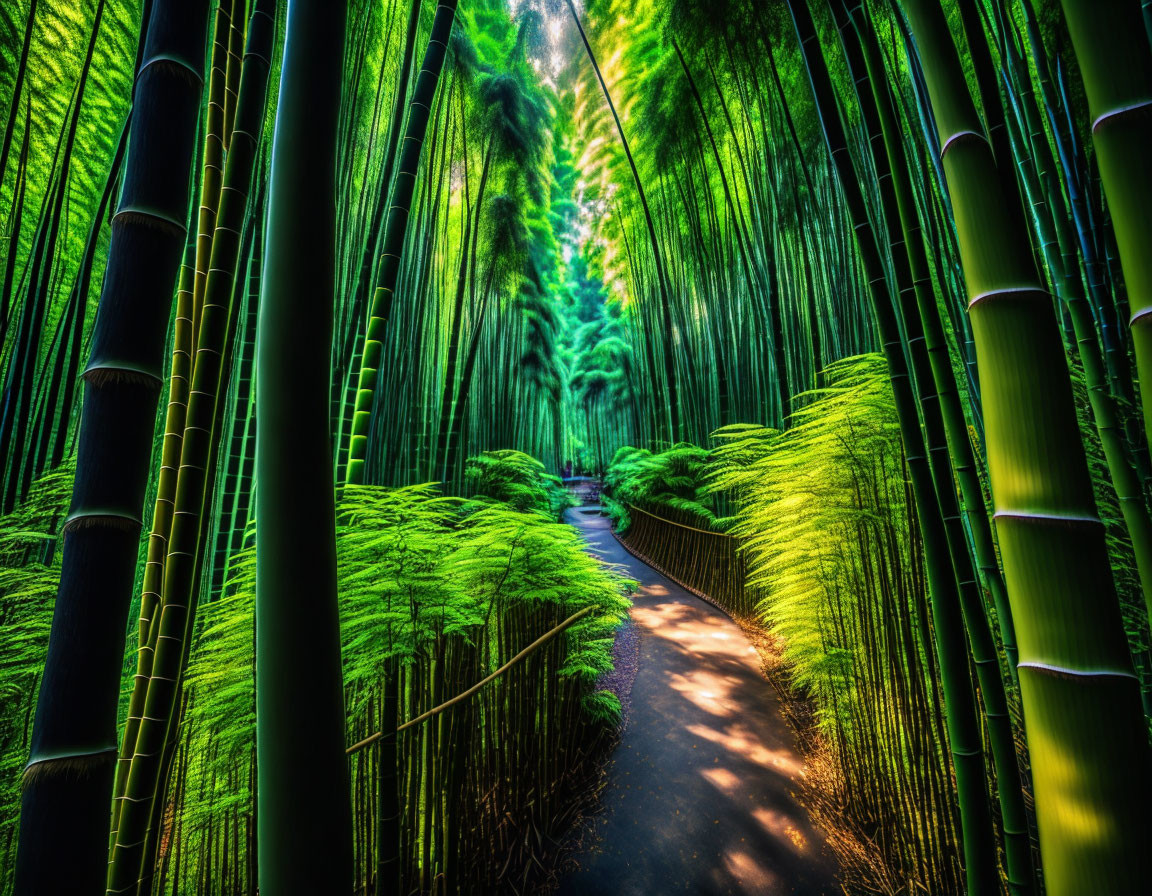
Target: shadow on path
[701,791]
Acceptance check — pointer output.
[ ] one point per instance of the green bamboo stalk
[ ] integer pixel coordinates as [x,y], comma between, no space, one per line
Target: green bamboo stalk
[914,295]
[959,442]
[1116,64]
[960,710]
[130,860]
[212,155]
[68,781]
[1086,732]
[373,235]
[394,237]
[180,367]
[305,825]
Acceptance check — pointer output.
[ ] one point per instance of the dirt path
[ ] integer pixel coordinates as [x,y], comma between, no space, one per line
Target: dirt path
[701,791]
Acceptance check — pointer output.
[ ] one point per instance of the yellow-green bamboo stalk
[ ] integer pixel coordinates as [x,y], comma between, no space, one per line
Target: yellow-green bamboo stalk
[1086,732]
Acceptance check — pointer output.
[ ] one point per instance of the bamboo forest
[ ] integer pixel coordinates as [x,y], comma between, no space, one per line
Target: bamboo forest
[575,447]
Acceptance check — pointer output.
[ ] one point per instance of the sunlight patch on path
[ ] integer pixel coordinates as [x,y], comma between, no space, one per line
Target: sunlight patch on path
[740,739]
[701,794]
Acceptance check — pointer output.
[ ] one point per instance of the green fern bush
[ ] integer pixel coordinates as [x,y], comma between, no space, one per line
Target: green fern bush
[834,554]
[29,572]
[438,591]
[518,480]
[671,483]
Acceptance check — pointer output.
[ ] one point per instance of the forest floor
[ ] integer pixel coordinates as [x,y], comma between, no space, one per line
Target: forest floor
[702,793]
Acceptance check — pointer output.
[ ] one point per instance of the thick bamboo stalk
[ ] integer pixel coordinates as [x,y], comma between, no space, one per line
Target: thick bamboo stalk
[149,734]
[68,781]
[1086,730]
[305,827]
[1116,64]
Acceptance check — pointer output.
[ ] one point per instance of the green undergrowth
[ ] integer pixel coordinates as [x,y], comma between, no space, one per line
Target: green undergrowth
[518,480]
[29,571]
[834,554]
[438,591]
[672,483]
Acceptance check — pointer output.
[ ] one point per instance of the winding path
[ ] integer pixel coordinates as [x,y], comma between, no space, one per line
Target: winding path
[701,790]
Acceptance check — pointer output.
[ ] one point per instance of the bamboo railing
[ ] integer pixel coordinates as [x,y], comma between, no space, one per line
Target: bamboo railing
[709,564]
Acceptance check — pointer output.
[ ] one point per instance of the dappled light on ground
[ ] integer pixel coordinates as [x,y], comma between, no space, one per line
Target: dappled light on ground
[740,739]
[701,791]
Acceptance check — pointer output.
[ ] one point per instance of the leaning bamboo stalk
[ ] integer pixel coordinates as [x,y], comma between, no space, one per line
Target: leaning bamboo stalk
[893,182]
[396,230]
[476,688]
[960,704]
[64,840]
[157,695]
[212,168]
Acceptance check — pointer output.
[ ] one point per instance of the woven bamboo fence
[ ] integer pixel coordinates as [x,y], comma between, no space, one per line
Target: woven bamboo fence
[709,564]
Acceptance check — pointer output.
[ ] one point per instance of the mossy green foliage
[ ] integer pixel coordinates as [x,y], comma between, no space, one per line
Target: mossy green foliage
[671,483]
[518,480]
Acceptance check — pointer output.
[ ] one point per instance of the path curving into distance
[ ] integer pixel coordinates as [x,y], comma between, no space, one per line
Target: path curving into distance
[701,792]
